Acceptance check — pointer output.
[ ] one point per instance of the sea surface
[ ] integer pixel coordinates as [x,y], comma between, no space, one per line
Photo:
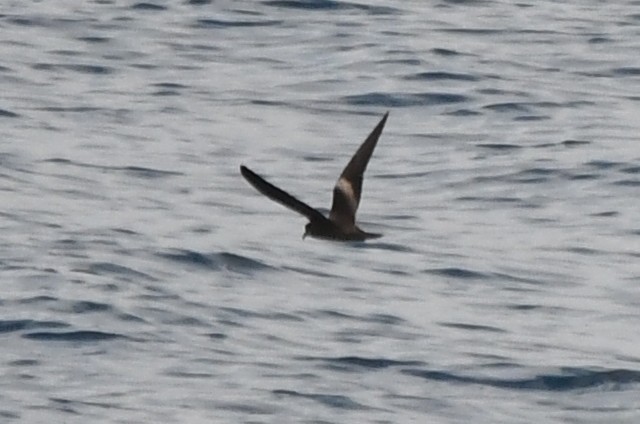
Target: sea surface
[142,280]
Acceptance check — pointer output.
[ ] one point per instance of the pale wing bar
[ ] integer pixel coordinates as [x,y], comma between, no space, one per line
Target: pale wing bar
[348,189]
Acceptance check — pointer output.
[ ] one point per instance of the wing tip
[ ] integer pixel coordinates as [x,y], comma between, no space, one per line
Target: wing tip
[384,119]
[251,177]
[245,171]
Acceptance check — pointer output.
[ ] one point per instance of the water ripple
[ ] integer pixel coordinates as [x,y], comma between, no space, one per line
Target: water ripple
[357,363]
[131,170]
[222,24]
[109,268]
[568,379]
[499,146]
[472,327]
[86,306]
[398,100]
[4,113]
[371,318]
[461,273]
[73,336]
[275,316]
[330,5]
[441,75]
[332,401]
[148,6]
[215,261]
[82,68]
[9,326]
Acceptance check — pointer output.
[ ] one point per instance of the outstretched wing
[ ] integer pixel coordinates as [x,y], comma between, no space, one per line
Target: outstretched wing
[280,196]
[346,193]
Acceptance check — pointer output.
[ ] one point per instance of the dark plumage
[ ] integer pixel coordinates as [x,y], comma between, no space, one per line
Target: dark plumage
[341,224]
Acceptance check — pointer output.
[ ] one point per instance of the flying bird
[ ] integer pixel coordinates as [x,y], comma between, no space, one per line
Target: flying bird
[341,224]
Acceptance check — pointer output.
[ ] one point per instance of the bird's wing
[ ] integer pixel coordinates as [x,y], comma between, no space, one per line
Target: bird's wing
[280,196]
[346,193]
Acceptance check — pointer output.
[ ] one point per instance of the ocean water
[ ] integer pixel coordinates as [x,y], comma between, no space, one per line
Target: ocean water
[144,281]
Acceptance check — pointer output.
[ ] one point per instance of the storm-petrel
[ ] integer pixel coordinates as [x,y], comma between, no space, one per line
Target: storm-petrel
[341,224]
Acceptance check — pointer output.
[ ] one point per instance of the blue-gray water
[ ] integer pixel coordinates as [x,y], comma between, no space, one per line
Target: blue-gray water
[144,281]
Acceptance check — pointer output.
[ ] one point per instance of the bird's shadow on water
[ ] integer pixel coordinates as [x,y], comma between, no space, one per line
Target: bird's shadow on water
[214,261]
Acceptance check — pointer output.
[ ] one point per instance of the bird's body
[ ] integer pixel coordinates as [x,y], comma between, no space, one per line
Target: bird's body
[340,225]
[333,232]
